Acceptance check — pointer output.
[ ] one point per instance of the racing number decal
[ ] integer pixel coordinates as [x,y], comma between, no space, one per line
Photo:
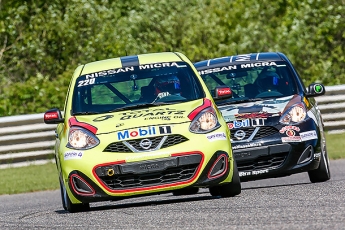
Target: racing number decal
[164,129]
[85,82]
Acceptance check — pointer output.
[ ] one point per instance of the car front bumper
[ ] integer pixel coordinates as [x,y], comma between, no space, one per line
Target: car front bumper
[271,157]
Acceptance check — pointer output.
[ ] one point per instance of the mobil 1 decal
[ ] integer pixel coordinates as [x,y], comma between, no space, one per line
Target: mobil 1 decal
[143,132]
[164,129]
[165,114]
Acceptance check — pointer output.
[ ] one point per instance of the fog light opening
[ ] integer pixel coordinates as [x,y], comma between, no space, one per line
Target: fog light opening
[80,186]
[219,167]
[306,155]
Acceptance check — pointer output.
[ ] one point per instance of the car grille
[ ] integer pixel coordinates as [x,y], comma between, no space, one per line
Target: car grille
[122,146]
[271,161]
[264,131]
[248,132]
[146,174]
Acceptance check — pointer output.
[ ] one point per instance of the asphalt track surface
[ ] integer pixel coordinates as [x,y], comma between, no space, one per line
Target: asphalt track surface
[283,203]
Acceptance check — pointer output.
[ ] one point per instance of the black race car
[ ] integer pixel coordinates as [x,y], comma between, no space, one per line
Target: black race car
[276,126]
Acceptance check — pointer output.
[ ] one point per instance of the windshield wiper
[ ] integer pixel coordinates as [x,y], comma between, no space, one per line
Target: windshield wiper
[238,100]
[138,106]
[86,113]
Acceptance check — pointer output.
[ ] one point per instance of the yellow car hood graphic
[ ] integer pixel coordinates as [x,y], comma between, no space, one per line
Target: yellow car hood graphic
[151,116]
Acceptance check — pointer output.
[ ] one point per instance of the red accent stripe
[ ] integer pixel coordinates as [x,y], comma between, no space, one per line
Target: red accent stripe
[74,122]
[152,187]
[206,103]
[76,191]
[216,161]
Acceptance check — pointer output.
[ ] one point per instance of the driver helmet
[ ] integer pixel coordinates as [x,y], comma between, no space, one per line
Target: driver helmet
[268,81]
[170,84]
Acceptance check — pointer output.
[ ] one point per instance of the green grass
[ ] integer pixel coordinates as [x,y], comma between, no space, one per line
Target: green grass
[45,177]
[335,145]
[29,179]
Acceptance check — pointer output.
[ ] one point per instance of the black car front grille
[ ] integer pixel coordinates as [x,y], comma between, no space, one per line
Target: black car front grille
[171,140]
[117,147]
[248,132]
[150,173]
[264,131]
[263,162]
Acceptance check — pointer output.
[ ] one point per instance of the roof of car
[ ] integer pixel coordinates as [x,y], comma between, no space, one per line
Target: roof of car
[240,58]
[135,60]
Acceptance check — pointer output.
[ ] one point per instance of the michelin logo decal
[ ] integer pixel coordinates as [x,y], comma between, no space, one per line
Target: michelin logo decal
[216,137]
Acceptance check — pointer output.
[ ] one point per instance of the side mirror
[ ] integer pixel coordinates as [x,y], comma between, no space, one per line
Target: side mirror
[222,92]
[315,89]
[53,116]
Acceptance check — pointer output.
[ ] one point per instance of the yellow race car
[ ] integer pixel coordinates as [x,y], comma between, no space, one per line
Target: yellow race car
[141,125]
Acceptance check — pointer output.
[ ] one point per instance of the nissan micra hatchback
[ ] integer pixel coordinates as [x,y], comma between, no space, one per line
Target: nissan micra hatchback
[276,126]
[140,125]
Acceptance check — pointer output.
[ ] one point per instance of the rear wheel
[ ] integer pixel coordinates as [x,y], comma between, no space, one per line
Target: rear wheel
[68,205]
[185,191]
[322,173]
[229,189]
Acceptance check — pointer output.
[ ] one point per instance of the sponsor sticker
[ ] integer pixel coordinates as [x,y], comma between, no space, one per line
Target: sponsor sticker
[256,115]
[239,58]
[239,124]
[254,172]
[289,127]
[290,133]
[249,145]
[309,135]
[151,114]
[291,139]
[216,137]
[247,123]
[72,155]
[143,132]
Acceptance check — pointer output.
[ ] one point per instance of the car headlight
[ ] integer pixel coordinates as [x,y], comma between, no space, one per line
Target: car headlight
[296,114]
[206,121]
[81,139]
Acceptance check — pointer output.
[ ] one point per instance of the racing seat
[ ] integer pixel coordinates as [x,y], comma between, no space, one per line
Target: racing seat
[147,93]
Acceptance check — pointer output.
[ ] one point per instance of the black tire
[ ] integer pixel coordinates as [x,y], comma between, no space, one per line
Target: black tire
[68,205]
[229,189]
[185,191]
[322,173]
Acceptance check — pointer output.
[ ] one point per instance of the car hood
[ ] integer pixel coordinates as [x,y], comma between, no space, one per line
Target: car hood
[259,109]
[129,119]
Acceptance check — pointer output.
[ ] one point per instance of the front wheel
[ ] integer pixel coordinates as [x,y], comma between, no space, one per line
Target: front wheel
[68,205]
[229,189]
[322,173]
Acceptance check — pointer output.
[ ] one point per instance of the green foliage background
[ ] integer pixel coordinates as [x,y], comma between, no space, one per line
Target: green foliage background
[42,42]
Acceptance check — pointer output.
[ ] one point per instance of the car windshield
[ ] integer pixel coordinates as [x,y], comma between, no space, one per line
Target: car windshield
[252,81]
[135,87]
